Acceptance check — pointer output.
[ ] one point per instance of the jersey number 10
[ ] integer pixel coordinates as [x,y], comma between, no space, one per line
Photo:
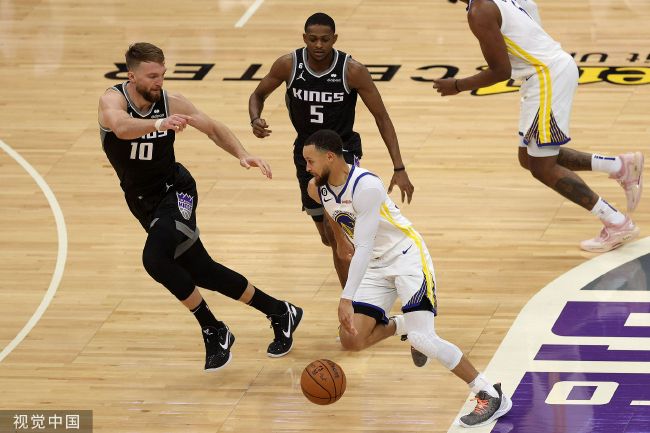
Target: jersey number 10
[141,151]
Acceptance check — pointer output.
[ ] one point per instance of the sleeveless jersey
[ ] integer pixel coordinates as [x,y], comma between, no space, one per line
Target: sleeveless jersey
[320,100]
[142,164]
[530,49]
[393,226]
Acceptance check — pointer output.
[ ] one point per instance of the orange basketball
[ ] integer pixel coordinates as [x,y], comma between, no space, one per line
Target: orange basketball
[323,381]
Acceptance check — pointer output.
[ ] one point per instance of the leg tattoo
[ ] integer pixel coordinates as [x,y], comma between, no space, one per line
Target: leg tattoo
[577,191]
[574,160]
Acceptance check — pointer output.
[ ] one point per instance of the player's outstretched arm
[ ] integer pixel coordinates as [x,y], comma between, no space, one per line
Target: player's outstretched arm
[485,22]
[359,78]
[280,72]
[217,132]
[112,115]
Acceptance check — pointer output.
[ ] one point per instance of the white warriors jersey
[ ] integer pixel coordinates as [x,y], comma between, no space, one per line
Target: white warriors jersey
[530,48]
[393,226]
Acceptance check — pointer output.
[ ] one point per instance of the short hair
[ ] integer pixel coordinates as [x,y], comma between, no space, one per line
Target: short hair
[326,140]
[321,19]
[143,52]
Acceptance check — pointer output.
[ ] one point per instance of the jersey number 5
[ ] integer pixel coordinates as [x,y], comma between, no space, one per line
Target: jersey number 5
[141,151]
[316,116]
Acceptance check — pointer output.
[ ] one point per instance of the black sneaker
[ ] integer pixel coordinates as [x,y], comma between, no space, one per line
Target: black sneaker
[284,325]
[487,409]
[218,342]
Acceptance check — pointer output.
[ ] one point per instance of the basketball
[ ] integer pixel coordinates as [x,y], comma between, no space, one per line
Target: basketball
[323,382]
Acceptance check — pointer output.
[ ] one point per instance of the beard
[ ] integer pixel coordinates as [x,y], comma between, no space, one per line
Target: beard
[323,178]
[151,96]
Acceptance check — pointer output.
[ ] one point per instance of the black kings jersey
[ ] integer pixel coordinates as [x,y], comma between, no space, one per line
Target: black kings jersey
[323,100]
[143,164]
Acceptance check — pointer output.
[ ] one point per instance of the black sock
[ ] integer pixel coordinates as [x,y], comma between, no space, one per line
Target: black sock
[205,317]
[266,304]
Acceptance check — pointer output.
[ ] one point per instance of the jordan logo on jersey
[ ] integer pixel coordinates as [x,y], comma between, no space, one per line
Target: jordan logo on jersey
[185,204]
[300,77]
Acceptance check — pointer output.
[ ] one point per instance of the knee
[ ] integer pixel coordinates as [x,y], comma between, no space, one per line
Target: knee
[325,241]
[327,237]
[152,262]
[350,343]
[540,173]
[435,347]
[425,343]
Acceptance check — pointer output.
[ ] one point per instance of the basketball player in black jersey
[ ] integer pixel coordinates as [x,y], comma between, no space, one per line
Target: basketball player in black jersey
[322,88]
[138,124]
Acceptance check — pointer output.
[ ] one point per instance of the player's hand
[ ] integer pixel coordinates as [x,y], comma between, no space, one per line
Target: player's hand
[446,86]
[401,179]
[346,316]
[260,128]
[253,161]
[175,122]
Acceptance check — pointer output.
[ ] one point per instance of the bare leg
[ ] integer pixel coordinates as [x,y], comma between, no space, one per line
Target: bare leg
[569,158]
[327,237]
[574,160]
[369,332]
[561,179]
[465,370]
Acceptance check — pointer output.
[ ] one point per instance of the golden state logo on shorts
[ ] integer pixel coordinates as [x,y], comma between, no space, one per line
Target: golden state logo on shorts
[346,221]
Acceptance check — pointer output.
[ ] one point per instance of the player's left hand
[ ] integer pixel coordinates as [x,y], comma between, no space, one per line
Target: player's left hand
[446,86]
[346,316]
[401,179]
[253,161]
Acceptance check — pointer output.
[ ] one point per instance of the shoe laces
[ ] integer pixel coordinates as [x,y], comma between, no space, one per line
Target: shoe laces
[481,405]
[276,325]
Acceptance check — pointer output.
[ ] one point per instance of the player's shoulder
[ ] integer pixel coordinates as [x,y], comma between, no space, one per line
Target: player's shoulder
[283,65]
[482,8]
[354,65]
[366,179]
[179,104]
[112,98]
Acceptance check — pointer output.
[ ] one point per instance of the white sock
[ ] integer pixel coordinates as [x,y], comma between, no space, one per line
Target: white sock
[607,164]
[400,326]
[607,213]
[482,384]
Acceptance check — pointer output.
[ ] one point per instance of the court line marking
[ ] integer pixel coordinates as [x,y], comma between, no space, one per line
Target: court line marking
[249,13]
[62,251]
[531,328]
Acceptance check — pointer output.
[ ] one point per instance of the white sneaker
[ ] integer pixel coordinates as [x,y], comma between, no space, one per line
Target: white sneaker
[630,177]
[611,237]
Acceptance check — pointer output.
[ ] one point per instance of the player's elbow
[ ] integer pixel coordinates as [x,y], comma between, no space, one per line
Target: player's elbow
[503,72]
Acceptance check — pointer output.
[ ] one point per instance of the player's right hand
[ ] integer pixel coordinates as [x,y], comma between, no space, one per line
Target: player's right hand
[175,122]
[346,316]
[260,128]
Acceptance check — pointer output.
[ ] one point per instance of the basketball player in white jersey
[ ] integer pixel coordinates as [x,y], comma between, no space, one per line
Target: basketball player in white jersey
[389,260]
[516,46]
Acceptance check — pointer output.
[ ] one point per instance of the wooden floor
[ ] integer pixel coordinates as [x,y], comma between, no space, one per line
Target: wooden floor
[115,342]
